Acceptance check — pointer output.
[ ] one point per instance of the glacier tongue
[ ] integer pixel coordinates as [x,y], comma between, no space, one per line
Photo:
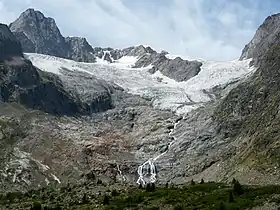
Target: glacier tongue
[166,93]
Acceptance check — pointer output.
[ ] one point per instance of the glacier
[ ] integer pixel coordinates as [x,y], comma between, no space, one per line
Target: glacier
[166,93]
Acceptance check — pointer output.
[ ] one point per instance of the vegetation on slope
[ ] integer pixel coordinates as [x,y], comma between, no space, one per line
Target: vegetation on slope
[193,196]
[251,112]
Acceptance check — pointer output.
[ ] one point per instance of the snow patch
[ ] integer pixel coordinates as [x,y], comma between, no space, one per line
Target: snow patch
[172,56]
[125,61]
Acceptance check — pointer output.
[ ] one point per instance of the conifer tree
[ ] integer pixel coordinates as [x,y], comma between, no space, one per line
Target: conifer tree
[237,188]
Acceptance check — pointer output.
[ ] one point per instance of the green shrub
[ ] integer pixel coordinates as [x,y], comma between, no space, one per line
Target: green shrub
[36,206]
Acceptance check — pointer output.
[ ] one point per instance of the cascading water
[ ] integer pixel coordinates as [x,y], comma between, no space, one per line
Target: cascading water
[120,172]
[148,167]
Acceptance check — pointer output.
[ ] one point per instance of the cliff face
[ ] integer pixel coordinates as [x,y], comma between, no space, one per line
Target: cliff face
[266,36]
[9,46]
[40,34]
[252,108]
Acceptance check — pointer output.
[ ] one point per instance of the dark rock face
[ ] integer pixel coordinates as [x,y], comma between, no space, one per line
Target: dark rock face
[95,94]
[110,54]
[177,69]
[40,34]
[80,49]
[35,89]
[9,46]
[253,105]
[267,35]
[26,43]
[24,84]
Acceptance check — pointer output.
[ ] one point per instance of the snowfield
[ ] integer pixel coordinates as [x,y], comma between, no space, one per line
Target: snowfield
[166,93]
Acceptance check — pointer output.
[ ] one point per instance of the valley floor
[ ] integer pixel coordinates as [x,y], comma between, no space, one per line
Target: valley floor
[98,195]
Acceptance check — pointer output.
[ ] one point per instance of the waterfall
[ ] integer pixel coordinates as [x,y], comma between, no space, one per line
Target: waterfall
[150,164]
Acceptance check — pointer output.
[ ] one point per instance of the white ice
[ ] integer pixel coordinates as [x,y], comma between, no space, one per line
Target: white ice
[166,93]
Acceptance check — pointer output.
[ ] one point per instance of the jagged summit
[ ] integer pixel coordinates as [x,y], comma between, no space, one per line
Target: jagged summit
[40,34]
[266,36]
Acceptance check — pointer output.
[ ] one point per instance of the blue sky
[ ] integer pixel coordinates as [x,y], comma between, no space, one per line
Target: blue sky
[209,29]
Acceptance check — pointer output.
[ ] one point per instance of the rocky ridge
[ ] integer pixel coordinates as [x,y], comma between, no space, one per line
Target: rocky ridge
[40,34]
[266,36]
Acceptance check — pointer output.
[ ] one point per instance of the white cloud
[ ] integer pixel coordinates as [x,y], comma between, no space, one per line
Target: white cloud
[202,28]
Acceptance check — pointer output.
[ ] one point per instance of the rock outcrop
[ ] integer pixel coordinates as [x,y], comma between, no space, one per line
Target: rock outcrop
[9,46]
[79,49]
[177,69]
[40,34]
[265,37]
[27,44]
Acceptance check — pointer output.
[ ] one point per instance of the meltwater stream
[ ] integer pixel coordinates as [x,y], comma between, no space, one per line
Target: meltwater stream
[150,164]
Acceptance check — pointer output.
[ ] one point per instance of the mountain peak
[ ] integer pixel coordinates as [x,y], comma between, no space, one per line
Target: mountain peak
[33,13]
[42,32]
